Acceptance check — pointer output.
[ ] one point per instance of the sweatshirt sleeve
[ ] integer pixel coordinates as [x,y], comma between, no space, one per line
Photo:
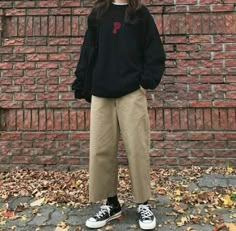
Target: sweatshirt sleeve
[154,55]
[85,53]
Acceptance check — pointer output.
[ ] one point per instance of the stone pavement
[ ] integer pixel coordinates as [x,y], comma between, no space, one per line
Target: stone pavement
[47,217]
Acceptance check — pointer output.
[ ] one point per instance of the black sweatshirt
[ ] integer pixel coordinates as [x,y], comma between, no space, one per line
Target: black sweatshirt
[129,54]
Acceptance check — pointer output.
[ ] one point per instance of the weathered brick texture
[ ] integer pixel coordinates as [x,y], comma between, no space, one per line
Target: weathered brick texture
[192,112]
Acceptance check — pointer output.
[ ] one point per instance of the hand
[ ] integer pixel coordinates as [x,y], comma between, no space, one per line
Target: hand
[143,90]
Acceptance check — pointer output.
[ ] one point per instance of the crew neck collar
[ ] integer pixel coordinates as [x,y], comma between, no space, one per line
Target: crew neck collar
[120,4]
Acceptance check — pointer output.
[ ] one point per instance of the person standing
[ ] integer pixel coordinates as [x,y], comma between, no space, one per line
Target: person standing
[129,60]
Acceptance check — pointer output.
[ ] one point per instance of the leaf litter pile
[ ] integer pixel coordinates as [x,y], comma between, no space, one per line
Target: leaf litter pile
[188,205]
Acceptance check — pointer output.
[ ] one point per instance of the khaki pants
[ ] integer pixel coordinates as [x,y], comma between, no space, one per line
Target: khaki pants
[109,117]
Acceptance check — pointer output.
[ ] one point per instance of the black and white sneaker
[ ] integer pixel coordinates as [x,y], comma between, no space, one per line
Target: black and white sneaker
[103,216]
[147,219]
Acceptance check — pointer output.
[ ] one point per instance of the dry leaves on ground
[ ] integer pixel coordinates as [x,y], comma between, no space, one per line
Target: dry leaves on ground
[71,188]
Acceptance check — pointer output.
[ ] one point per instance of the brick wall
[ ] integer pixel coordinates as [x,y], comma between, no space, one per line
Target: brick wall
[193,111]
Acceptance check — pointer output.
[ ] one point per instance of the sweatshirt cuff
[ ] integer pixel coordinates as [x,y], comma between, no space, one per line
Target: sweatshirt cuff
[147,83]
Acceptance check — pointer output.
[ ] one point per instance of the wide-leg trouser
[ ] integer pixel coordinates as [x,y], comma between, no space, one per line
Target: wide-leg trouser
[109,117]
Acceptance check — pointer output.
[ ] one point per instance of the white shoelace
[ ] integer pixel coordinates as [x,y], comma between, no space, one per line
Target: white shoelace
[145,211]
[104,209]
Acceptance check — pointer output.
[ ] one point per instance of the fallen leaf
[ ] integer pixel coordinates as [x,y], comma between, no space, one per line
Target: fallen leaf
[184,220]
[109,227]
[61,229]
[8,214]
[229,169]
[38,202]
[230,226]
[227,200]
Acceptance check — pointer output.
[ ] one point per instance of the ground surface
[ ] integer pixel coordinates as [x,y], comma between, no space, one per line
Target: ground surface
[183,200]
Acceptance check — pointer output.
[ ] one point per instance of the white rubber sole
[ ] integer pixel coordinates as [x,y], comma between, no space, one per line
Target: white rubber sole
[100,224]
[148,225]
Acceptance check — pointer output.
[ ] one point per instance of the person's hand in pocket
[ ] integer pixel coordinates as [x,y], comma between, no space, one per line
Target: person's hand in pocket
[143,90]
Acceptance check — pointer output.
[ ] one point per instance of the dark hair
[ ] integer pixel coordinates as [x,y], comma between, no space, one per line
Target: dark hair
[101,6]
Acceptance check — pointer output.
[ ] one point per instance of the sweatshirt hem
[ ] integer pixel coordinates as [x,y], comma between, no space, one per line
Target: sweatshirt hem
[118,95]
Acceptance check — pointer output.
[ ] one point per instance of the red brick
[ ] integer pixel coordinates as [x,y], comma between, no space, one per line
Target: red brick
[80,120]
[24,50]
[62,11]
[199,39]
[24,4]
[27,119]
[15,12]
[87,120]
[200,136]
[57,104]
[225,136]
[67,96]
[199,9]
[36,12]
[13,58]
[49,119]
[73,120]
[33,104]
[11,120]
[24,96]
[36,57]
[6,4]
[69,160]
[25,81]
[10,136]
[199,119]
[57,136]
[32,151]
[81,11]
[79,136]
[225,87]
[58,119]
[48,96]
[176,39]
[5,81]
[6,96]
[5,50]
[42,119]
[46,49]
[58,57]
[202,153]
[65,121]
[167,119]
[207,119]
[222,8]
[231,119]
[203,103]
[13,42]
[175,9]
[47,65]
[47,81]
[34,136]
[61,72]
[11,104]
[186,2]
[5,66]
[176,136]
[11,88]
[38,41]
[47,4]
[59,27]
[22,159]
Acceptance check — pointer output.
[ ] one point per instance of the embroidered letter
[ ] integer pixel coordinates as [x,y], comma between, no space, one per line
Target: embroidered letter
[116,26]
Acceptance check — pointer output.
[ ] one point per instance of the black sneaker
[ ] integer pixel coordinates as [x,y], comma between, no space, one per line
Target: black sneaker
[147,219]
[103,216]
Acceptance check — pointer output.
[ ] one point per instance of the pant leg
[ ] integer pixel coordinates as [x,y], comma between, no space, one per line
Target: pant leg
[103,164]
[135,130]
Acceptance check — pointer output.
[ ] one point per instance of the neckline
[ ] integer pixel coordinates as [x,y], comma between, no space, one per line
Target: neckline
[119,4]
